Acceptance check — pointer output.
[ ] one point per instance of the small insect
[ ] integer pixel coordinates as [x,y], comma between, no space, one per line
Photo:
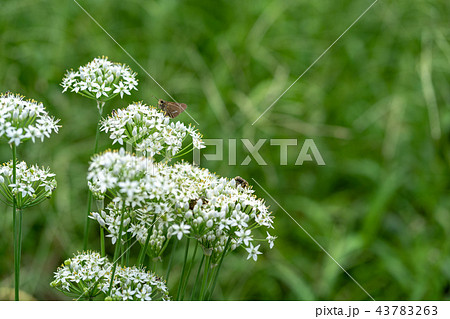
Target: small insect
[171,109]
[193,202]
[240,181]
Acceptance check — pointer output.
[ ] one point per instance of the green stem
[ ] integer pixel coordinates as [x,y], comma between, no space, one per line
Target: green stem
[143,251]
[127,250]
[116,252]
[216,275]
[86,222]
[19,248]
[205,277]
[196,277]
[102,241]
[180,155]
[122,254]
[19,238]
[169,266]
[97,134]
[184,148]
[189,270]
[184,268]
[100,106]
[15,232]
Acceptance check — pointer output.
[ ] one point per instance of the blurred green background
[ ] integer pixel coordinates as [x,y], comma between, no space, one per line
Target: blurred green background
[376,105]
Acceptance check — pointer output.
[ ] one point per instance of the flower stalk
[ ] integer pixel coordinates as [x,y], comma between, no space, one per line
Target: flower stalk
[186,280]
[169,266]
[206,272]
[15,229]
[100,106]
[216,274]
[116,252]
[143,251]
[186,252]
[196,281]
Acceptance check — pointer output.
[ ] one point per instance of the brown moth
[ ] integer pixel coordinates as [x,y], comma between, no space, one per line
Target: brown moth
[240,181]
[171,109]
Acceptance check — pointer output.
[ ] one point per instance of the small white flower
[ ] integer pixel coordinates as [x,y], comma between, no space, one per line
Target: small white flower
[244,236]
[270,240]
[100,90]
[253,252]
[180,230]
[121,89]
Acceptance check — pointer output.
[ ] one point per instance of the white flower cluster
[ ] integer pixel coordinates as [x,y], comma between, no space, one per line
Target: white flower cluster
[119,174]
[133,283]
[88,275]
[101,80]
[33,184]
[149,131]
[21,120]
[179,200]
[84,276]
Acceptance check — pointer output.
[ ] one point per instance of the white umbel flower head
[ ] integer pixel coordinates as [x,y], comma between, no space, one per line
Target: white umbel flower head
[101,80]
[22,120]
[149,131]
[33,184]
[177,201]
[87,275]
[120,174]
[133,283]
[84,276]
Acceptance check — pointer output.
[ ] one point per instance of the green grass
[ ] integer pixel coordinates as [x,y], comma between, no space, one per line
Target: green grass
[377,106]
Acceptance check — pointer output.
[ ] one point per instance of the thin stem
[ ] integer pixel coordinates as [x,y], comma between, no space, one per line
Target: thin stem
[179,155]
[169,266]
[184,148]
[205,277]
[189,270]
[102,241]
[19,243]
[184,268]
[100,106]
[127,250]
[86,223]
[196,277]
[163,249]
[97,134]
[143,251]
[216,275]
[122,254]
[116,252]
[15,241]
[20,213]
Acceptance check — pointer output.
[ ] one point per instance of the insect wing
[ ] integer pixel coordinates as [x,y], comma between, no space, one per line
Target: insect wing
[174,109]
